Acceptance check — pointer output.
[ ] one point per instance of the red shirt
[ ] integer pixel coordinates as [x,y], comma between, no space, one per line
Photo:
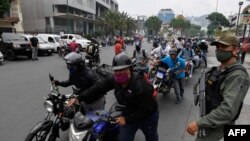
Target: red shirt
[73,46]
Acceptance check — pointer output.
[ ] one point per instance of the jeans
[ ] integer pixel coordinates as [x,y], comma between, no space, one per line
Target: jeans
[34,52]
[148,126]
[179,87]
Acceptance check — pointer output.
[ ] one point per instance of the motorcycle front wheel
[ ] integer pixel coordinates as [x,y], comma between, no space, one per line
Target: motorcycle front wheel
[40,133]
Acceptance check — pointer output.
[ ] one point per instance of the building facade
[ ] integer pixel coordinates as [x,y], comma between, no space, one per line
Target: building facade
[68,16]
[140,21]
[166,15]
[11,21]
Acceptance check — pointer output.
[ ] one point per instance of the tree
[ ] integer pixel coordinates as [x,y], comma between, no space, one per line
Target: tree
[4,7]
[113,22]
[180,24]
[194,30]
[153,24]
[217,20]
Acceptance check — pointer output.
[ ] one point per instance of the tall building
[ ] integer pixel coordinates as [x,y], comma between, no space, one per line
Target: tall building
[141,24]
[166,15]
[73,16]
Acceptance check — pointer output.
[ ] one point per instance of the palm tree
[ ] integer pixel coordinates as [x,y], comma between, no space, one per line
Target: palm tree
[113,21]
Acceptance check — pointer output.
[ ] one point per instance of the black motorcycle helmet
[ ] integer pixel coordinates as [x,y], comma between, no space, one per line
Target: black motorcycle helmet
[121,61]
[74,61]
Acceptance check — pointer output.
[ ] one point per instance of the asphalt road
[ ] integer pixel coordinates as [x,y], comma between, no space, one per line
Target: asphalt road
[24,83]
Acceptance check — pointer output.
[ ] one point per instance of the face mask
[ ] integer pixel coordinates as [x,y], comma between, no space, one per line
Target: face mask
[121,78]
[223,56]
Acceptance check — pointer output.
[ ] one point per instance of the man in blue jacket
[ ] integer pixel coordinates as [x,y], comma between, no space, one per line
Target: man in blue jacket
[179,72]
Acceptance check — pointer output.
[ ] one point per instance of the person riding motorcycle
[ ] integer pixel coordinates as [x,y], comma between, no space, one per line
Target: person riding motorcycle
[82,78]
[179,77]
[133,91]
[141,58]
[161,51]
[203,46]
[187,53]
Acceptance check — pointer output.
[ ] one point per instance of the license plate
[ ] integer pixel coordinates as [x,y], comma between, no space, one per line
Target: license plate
[27,49]
[49,50]
[159,75]
[86,61]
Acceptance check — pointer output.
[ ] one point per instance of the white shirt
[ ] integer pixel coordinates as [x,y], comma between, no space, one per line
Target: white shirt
[158,52]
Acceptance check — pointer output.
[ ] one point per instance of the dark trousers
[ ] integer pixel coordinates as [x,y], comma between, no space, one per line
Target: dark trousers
[147,126]
[243,54]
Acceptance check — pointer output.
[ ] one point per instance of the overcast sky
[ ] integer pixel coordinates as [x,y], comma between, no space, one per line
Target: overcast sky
[187,7]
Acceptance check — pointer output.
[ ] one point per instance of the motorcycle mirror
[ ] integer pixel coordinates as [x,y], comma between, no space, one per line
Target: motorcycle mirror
[51,77]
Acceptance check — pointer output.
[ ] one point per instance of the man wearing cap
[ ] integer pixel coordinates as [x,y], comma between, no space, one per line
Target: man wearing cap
[226,88]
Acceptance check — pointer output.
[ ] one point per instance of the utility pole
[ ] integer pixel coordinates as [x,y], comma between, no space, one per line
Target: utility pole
[237,24]
[67,16]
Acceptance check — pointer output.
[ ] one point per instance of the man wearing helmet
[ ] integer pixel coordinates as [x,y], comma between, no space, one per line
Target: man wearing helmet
[132,91]
[82,77]
[179,77]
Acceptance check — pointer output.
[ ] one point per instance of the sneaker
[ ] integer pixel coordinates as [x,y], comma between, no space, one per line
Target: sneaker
[177,101]
[190,76]
[36,58]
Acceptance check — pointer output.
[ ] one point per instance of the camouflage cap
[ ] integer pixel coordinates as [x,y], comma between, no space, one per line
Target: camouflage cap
[227,39]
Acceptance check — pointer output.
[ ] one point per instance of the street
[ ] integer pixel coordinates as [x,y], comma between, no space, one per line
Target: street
[24,83]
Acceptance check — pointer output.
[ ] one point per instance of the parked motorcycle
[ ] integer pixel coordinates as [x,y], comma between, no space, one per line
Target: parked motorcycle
[57,116]
[162,81]
[97,125]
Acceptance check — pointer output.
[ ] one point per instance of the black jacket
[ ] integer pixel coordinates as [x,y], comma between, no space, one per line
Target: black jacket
[138,97]
[82,80]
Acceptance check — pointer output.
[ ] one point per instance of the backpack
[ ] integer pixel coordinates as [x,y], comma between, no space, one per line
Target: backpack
[92,50]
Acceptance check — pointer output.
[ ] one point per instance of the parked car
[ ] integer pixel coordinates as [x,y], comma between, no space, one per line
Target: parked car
[82,42]
[13,45]
[43,48]
[1,58]
[52,39]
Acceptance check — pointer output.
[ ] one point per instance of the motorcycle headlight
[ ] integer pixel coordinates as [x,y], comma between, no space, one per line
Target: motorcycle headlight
[48,105]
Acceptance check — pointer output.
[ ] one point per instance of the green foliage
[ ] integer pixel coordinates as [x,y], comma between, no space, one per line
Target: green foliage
[216,21]
[114,22]
[4,7]
[181,24]
[153,24]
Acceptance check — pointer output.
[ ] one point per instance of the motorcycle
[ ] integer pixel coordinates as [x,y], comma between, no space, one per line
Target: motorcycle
[162,81]
[97,125]
[58,115]
[188,68]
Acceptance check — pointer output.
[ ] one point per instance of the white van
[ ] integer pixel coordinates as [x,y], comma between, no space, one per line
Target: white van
[52,39]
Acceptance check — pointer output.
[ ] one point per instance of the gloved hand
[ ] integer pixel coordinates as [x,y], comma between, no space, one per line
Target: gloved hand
[57,83]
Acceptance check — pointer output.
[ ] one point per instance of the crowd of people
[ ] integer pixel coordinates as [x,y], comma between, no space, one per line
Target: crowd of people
[133,90]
